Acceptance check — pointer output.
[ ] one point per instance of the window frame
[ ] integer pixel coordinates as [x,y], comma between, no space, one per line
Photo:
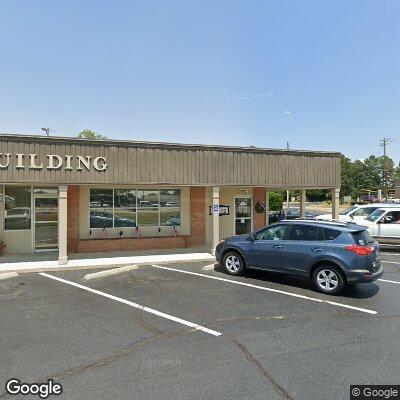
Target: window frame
[31,207]
[137,206]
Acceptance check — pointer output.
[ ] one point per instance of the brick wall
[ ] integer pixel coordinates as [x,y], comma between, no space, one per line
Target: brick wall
[73,218]
[130,244]
[197,217]
[258,219]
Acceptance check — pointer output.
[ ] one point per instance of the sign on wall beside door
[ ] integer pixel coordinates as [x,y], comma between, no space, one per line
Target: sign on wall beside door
[223,210]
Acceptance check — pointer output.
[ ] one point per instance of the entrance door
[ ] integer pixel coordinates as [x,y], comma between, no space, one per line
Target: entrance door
[46,224]
[242,215]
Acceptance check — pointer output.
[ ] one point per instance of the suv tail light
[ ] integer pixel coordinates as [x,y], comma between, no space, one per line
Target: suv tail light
[360,250]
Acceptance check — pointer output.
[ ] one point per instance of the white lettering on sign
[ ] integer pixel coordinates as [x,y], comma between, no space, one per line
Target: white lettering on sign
[53,162]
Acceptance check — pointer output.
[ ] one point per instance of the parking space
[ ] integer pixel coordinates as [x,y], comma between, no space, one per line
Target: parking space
[190,331]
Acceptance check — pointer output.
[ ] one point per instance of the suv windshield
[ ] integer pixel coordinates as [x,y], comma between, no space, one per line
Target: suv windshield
[348,210]
[375,215]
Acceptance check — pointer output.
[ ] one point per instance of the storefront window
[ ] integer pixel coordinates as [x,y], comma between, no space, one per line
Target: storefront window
[17,202]
[148,204]
[130,207]
[124,207]
[170,206]
[101,208]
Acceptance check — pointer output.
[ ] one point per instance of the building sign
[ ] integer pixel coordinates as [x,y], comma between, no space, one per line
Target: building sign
[53,162]
[223,210]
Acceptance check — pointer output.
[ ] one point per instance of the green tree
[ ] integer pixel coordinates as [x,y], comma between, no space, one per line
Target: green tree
[89,134]
[275,201]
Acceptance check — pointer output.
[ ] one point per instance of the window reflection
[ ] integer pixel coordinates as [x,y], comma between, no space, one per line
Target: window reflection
[134,207]
[17,200]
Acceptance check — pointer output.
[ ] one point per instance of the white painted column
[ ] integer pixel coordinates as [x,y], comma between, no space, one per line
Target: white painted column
[215,214]
[266,207]
[302,203]
[335,203]
[62,224]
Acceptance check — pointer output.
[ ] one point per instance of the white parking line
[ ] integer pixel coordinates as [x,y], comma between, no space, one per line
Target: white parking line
[391,262]
[135,305]
[364,310]
[386,280]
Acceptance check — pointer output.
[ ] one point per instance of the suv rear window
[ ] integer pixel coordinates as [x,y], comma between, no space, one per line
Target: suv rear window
[331,234]
[362,238]
[304,232]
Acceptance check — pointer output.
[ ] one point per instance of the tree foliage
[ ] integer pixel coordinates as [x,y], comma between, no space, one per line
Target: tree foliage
[367,174]
[275,201]
[89,134]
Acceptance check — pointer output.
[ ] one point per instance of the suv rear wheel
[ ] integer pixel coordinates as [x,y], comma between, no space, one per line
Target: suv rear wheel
[328,279]
[233,263]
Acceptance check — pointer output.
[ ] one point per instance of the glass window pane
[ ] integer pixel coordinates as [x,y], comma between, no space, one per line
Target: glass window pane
[101,218]
[303,232]
[125,198]
[243,207]
[147,216]
[17,201]
[276,232]
[170,217]
[101,198]
[124,217]
[45,190]
[170,198]
[147,198]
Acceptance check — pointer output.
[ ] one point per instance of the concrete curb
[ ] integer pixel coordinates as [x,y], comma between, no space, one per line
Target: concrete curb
[8,275]
[98,263]
[109,272]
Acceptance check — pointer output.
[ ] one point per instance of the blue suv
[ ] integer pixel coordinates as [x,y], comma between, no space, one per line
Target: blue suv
[330,254]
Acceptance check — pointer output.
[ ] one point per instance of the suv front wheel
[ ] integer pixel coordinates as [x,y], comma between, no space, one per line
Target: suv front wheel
[328,279]
[233,263]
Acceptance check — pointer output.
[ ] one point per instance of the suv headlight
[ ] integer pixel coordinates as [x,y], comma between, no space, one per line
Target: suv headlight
[221,241]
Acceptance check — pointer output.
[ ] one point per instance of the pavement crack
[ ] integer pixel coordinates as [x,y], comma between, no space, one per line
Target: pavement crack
[138,318]
[101,362]
[250,357]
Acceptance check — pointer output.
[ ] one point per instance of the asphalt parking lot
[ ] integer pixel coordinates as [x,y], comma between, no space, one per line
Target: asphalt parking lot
[261,336]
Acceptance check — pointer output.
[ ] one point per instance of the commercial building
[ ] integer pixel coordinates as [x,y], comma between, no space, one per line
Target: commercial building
[76,195]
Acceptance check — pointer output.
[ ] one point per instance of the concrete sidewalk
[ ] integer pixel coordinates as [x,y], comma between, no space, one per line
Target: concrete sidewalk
[102,262]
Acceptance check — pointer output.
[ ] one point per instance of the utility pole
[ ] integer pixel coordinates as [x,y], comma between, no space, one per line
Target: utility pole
[384,143]
[287,191]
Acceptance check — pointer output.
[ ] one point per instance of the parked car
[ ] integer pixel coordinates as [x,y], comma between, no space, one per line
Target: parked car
[102,219]
[384,222]
[330,254]
[356,213]
[291,213]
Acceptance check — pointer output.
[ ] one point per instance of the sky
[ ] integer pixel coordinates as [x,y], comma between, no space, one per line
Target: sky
[321,75]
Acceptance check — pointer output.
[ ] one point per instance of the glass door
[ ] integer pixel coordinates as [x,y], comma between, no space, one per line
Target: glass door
[46,223]
[242,215]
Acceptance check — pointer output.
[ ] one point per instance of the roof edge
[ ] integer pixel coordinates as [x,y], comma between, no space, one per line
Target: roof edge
[182,146]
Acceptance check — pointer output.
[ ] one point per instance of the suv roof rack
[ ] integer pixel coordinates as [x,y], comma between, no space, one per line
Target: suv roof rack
[317,221]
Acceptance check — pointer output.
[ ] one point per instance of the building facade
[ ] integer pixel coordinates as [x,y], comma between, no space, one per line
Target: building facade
[77,195]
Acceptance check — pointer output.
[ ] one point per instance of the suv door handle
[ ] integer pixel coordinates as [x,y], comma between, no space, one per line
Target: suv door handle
[277,246]
[316,249]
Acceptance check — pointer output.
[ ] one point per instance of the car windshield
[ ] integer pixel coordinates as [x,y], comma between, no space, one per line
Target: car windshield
[348,210]
[375,215]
